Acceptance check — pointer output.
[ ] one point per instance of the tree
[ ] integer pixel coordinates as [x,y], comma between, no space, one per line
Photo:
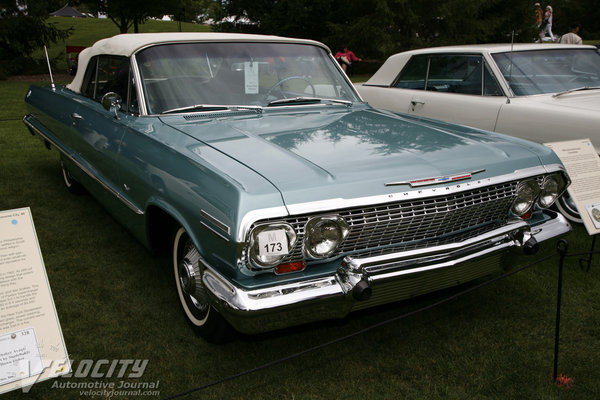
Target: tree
[41,8]
[586,12]
[377,28]
[295,18]
[128,13]
[189,10]
[21,33]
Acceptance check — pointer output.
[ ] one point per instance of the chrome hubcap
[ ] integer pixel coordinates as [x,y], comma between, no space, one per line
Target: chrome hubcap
[190,278]
[187,277]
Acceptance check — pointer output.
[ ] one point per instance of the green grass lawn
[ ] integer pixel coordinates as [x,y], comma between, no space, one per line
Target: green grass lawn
[117,301]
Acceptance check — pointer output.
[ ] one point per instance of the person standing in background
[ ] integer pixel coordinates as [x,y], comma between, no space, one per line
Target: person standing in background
[572,37]
[538,16]
[548,21]
[346,58]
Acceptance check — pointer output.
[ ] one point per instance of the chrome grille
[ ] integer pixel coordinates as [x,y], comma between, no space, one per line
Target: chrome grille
[411,221]
[402,225]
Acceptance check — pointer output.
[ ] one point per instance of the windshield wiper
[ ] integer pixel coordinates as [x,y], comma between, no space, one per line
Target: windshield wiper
[579,89]
[307,100]
[213,107]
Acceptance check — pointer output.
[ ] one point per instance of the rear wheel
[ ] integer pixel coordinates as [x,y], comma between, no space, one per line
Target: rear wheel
[193,295]
[70,183]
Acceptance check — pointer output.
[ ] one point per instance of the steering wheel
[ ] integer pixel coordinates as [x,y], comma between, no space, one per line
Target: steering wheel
[289,78]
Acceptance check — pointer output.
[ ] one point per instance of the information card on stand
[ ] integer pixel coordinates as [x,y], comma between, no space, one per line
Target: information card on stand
[32,347]
[583,166]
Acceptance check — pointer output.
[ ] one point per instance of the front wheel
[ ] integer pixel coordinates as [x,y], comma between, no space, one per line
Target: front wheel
[566,206]
[193,295]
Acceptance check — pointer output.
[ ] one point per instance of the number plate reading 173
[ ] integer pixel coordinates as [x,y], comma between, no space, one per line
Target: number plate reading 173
[272,243]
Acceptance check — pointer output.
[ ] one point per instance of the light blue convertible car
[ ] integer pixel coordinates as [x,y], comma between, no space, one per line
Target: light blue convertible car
[281,195]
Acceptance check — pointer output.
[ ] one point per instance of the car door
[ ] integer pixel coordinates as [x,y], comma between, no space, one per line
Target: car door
[99,131]
[457,88]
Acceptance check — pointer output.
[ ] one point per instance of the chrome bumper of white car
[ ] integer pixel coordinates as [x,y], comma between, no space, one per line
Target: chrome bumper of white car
[367,282]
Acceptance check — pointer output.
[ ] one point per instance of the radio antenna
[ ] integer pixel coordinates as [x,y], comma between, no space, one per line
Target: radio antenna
[512,45]
[510,68]
[49,69]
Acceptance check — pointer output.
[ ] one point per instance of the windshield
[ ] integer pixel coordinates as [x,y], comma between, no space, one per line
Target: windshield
[176,76]
[549,71]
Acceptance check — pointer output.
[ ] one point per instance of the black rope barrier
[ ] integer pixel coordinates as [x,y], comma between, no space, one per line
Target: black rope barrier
[382,323]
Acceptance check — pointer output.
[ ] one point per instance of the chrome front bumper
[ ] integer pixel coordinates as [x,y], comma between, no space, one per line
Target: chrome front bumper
[367,282]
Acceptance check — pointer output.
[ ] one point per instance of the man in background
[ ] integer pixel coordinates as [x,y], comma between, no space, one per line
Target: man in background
[572,37]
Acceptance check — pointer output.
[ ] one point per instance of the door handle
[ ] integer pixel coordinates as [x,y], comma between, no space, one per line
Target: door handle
[76,117]
[414,103]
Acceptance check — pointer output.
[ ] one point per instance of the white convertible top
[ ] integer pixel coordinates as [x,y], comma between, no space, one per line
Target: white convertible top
[129,43]
[392,66]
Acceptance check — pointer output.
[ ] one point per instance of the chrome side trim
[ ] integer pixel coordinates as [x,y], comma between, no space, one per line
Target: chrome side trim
[213,230]
[222,226]
[92,175]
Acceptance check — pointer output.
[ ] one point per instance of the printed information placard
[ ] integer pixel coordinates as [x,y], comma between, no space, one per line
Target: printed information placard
[583,166]
[32,347]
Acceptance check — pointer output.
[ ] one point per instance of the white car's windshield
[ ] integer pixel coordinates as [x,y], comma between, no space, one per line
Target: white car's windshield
[209,76]
[549,71]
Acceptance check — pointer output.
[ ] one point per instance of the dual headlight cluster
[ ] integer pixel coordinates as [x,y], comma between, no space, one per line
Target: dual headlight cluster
[270,243]
[530,193]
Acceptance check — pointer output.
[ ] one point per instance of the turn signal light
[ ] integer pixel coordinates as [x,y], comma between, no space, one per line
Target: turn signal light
[290,267]
[527,215]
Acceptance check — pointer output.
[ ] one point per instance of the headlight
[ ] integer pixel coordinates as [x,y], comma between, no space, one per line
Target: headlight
[324,235]
[552,187]
[270,243]
[527,192]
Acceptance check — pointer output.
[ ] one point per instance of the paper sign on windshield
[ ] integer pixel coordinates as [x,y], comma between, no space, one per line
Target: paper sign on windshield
[251,77]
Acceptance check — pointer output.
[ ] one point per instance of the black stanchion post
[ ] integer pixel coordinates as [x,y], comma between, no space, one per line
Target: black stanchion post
[586,263]
[562,247]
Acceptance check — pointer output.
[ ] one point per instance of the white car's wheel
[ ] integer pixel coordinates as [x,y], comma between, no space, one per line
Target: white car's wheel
[566,206]
[193,295]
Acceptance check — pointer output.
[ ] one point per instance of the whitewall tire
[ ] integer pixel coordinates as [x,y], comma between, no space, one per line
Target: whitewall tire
[193,295]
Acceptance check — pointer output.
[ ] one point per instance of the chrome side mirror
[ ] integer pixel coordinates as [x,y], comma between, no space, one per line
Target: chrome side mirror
[112,101]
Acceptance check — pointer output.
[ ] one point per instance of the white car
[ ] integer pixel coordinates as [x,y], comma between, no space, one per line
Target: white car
[540,92]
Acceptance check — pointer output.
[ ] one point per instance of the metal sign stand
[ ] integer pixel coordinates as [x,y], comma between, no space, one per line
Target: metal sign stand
[562,247]
[586,263]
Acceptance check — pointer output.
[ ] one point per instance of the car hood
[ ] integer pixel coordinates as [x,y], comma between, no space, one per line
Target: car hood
[331,153]
[581,101]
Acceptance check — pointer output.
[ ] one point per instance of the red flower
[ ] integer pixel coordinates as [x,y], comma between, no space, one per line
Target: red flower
[563,381]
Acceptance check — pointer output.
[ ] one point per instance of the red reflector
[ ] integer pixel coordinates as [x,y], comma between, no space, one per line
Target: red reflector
[527,215]
[290,267]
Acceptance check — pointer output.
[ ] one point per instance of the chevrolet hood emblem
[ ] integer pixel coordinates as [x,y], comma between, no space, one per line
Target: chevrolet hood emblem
[435,180]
